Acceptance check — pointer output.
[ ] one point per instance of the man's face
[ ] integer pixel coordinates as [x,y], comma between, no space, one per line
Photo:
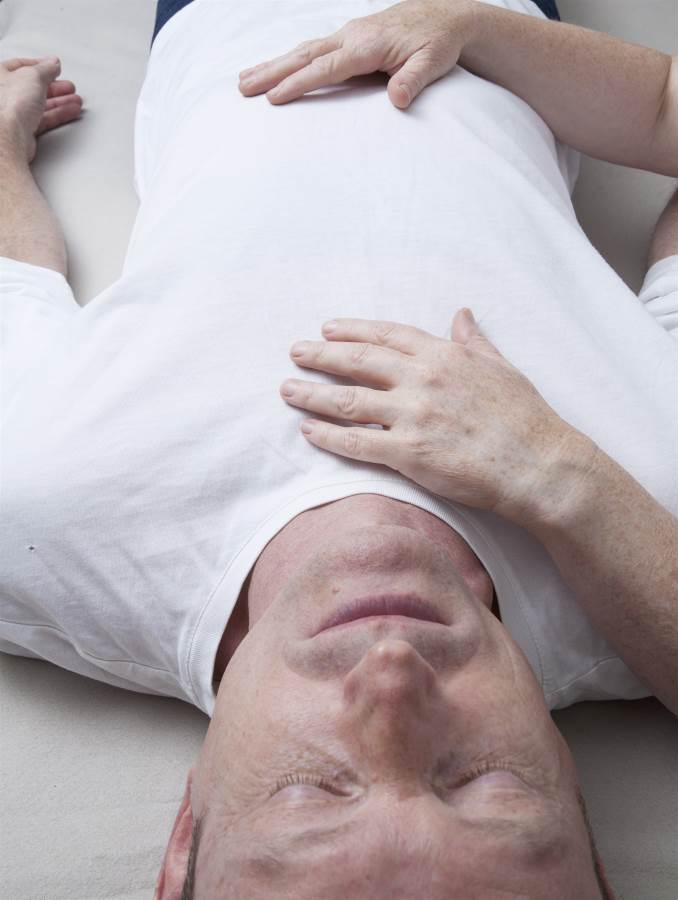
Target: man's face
[388,755]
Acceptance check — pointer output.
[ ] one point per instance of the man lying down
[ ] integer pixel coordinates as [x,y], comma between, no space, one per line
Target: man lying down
[377,620]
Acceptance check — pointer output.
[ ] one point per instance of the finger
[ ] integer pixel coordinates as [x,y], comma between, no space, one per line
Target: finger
[354,404]
[365,444]
[415,74]
[375,366]
[465,331]
[332,68]
[17,62]
[400,93]
[54,102]
[404,338]
[267,74]
[61,115]
[60,88]
[463,326]
[48,69]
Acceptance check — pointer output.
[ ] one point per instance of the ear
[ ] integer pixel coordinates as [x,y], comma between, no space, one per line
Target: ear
[601,875]
[173,872]
[466,331]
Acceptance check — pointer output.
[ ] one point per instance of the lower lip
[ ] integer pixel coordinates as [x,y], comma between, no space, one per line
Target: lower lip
[371,620]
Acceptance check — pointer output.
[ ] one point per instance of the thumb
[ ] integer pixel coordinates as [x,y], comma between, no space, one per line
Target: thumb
[413,76]
[465,331]
[49,69]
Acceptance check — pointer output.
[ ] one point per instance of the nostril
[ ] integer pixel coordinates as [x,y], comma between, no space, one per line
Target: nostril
[393,650]
[390,674]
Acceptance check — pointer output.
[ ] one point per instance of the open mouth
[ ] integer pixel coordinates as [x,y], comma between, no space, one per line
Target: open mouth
[403,605]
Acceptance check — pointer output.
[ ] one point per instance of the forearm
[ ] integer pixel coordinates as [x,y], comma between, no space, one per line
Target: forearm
[617,548]
[29,229]
[603,96]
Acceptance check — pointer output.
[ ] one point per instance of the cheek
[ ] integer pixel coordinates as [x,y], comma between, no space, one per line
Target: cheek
[518,678]
[481,586]
[262,706]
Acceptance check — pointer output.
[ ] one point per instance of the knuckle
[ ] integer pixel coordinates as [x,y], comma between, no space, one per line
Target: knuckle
[319,62]
[306,394]
[352,441]
[354,28]
[416,447]
[303,51]
[347,401]
[384,331]
[399,456]
[359,354]
[431,377]
[317,352]
[365,51]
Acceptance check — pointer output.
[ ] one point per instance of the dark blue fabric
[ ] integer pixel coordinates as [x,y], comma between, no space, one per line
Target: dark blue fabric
[549,8]
[165,11]
[167,8]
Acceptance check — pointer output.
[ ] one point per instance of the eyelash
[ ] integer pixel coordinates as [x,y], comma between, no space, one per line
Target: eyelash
[302,778]
[480,770]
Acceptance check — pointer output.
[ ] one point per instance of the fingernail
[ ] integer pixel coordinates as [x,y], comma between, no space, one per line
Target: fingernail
[274,93]
[469,314]
[404,88]
[307,427]
[329,327]
[299,348]
[287,389]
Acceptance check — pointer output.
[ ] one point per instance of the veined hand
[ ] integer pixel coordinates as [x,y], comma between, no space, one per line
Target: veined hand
[456,416]
[415,42]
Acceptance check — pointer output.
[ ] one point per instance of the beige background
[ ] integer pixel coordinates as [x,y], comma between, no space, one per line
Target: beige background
[92,775]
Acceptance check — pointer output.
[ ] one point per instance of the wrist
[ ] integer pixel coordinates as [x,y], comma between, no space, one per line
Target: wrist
[11,151]
[475,29]
[561,487]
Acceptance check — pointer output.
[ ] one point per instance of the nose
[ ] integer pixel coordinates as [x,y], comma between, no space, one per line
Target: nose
[391,674]
[393,708]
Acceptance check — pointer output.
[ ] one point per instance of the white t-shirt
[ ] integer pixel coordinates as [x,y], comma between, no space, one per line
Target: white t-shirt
[147,455]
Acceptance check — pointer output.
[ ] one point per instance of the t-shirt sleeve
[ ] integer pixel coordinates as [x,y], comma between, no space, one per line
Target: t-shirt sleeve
[659,293]
[36,307]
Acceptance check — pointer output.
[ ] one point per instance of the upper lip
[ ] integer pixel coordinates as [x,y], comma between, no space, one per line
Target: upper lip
[383,605]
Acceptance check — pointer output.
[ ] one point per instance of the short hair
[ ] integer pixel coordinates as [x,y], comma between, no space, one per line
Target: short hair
[188,889]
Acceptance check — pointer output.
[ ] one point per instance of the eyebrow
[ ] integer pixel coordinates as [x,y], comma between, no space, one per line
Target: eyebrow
[275,852]
[310,837]
[271,855]
[498,825]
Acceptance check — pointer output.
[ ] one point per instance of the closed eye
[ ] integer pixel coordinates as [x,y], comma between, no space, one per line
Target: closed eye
[305,778]
[325,785]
